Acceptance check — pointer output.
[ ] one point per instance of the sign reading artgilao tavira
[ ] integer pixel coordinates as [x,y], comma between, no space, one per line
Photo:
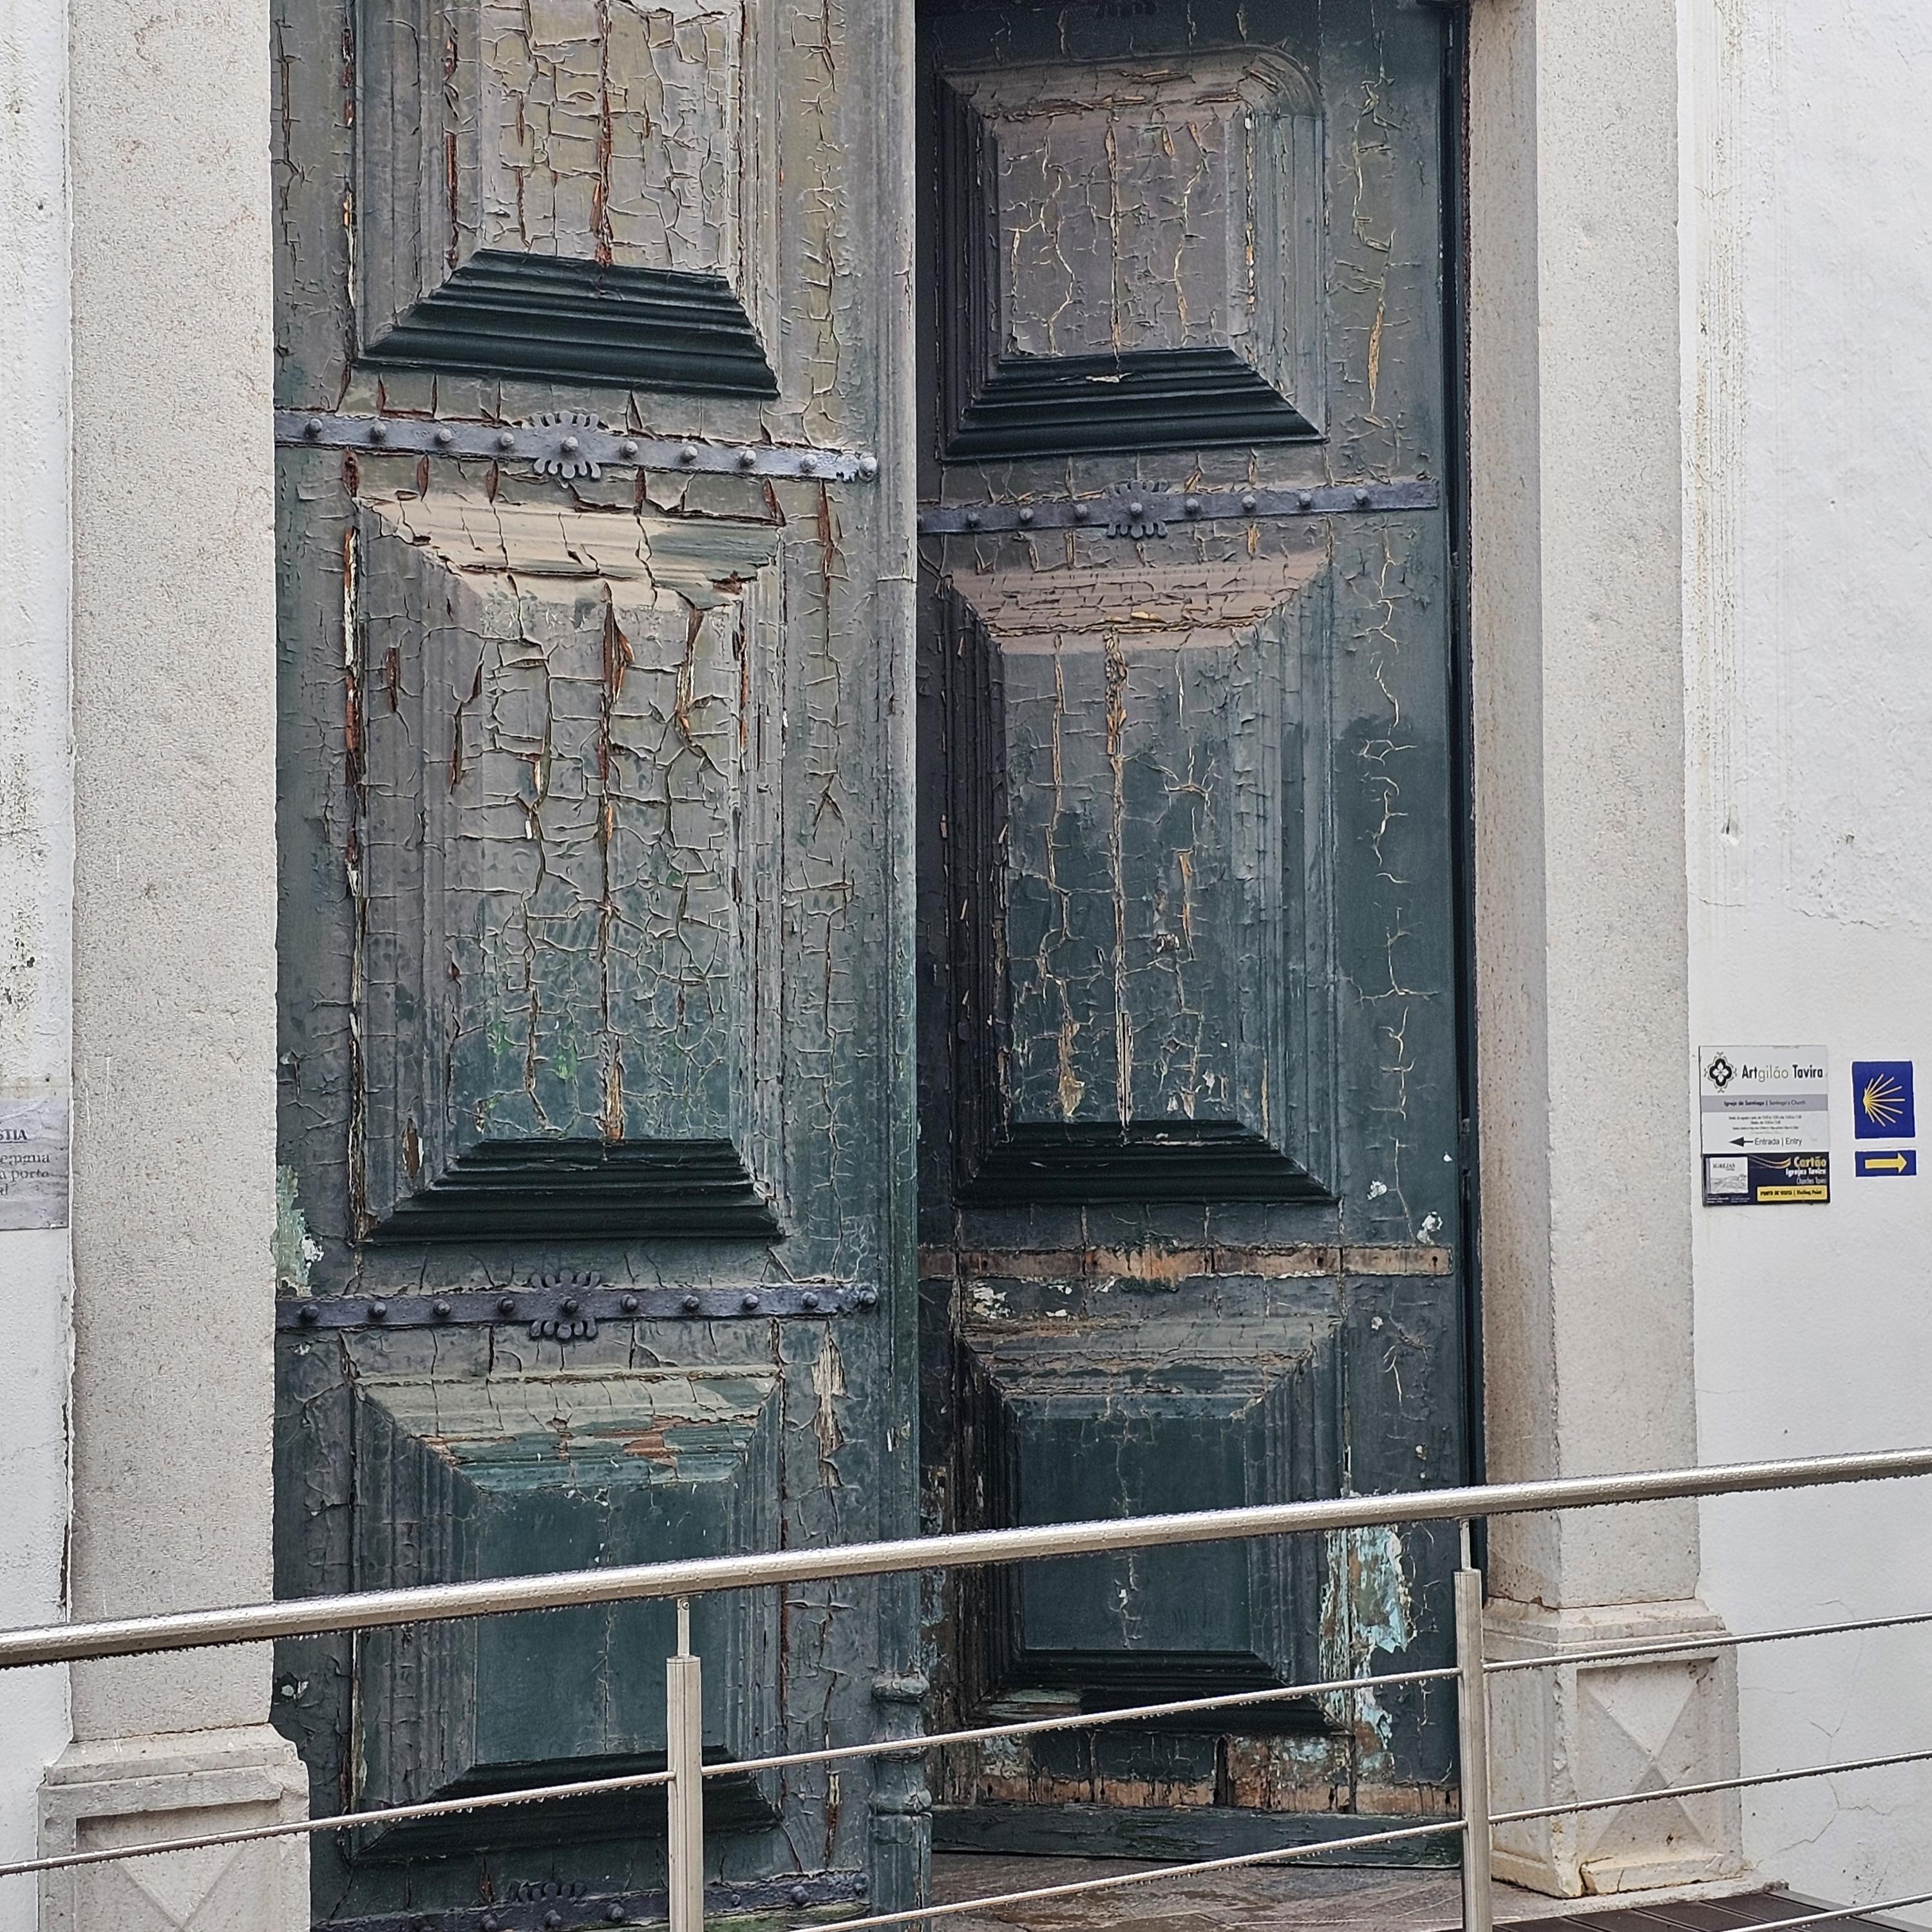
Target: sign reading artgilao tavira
[1766,1117]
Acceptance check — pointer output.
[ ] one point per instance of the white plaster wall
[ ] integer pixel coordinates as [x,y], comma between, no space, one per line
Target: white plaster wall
[1808,241]
[36,868]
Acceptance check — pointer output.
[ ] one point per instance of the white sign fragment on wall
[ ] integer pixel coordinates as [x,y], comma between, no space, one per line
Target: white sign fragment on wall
[33,1162]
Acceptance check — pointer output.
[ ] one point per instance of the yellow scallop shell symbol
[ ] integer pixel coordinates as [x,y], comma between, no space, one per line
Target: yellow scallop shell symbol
[1881,1100]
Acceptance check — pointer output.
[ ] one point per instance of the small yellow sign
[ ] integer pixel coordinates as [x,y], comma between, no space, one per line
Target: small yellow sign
[1805,1193]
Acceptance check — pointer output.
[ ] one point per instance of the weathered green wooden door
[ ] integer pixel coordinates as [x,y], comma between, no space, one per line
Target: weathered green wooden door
[1192,1182]
[597,1112]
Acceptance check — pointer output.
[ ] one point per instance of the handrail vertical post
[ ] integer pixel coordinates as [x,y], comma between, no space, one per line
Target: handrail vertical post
[684,1751]
[1472,1739]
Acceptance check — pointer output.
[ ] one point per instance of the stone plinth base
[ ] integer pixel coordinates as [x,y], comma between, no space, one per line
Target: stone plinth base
[176,1785]
[1577,1731]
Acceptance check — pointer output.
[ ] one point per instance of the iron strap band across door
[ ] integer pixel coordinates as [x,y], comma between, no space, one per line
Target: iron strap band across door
[568,1307]
[568,444]
[543,1910]
[1130,511]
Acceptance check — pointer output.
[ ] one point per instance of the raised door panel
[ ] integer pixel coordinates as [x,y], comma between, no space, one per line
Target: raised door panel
[1141,913]
[566,187]
[518,1473]
[567,958]
[1145,1421]
[1128,253]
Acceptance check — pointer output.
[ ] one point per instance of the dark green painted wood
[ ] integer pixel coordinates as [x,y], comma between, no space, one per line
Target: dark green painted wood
[1029,406]
[587,322]
[1088,1831]
[595,949]
[1096,1065]
[592,1187]
[1208,1160]
[1161,1418]
[1189,994]
[461,1479]
[1090,367]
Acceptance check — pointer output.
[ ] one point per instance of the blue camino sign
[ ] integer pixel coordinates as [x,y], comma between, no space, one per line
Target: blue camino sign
[1882,1103]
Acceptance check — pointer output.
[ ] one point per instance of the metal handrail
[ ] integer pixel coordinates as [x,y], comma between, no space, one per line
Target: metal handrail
[1078,1721]
[1234,1861]
[339,1821]
[934,1740]
[1637,1651]
[318,1616]
[736,1768]
[684,1778]
[1836,1913]
[1574,1807]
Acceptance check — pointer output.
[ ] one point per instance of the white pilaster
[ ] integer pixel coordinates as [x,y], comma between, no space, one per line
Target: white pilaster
[1582,946]
[36,891]
[174,722]
[1577,1731]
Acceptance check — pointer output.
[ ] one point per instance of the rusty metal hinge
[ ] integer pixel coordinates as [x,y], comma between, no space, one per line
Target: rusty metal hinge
[1142,510]
[568,444]
[568,1307]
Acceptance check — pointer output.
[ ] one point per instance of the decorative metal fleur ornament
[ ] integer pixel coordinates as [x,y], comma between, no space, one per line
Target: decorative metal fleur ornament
[571,1321]
[1131,513]
[563,456]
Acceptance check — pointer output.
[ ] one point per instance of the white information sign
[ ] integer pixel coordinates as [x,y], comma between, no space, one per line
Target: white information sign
[1765,1113]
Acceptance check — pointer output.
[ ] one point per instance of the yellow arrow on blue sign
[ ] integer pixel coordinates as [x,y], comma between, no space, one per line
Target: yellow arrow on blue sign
[1900,1160]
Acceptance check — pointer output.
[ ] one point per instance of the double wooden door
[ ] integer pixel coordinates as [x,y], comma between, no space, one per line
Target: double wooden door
[688,1083]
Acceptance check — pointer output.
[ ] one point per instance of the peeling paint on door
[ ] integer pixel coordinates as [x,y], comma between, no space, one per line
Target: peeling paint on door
[593,811]
[1191,1179]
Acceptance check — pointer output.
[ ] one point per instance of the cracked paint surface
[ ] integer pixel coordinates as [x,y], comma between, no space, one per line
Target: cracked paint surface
[1134,714]
[603,131]
[1187,856]
[296,1251]
[526,1471]
[1145,206]
[558,814]
[612,131]
[582,844]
